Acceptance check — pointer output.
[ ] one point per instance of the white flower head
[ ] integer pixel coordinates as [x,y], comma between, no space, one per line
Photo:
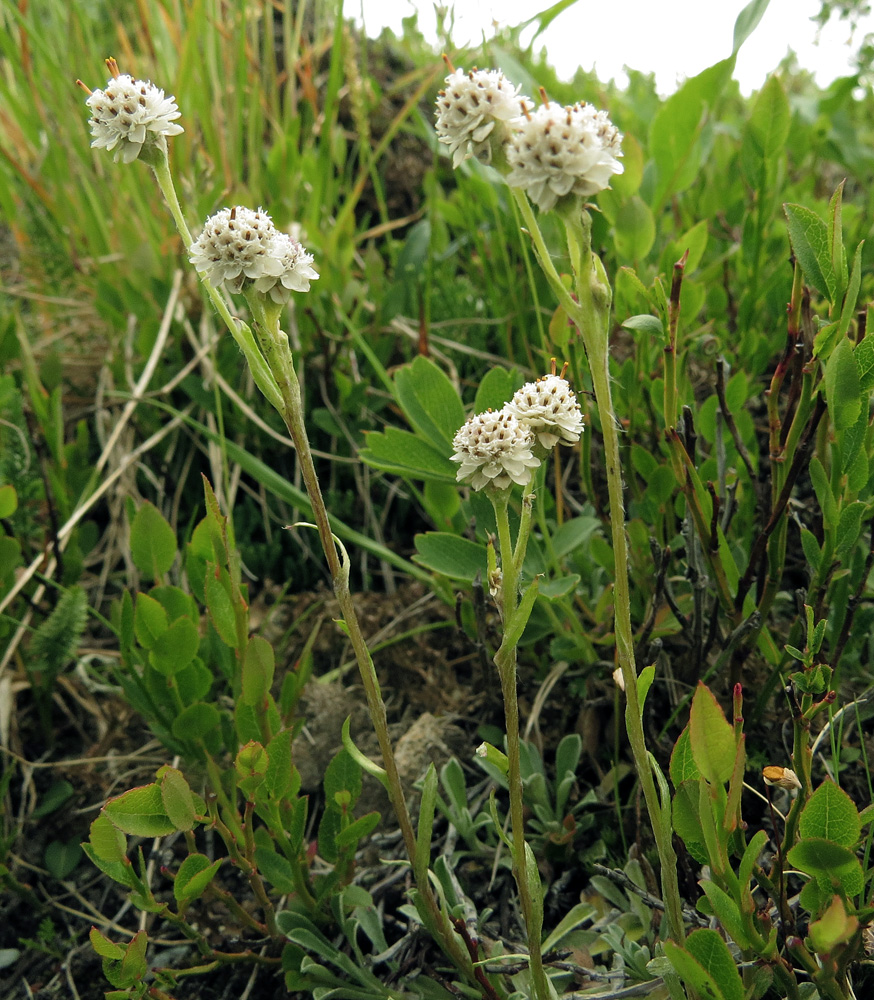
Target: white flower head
[550,409]
[129,115]
[474,110]
[557,151]
[494,450]
[237,245]
[297,270]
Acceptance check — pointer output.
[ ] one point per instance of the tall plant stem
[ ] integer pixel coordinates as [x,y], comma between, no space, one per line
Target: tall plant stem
[273,345]
[591,315]
[505,661]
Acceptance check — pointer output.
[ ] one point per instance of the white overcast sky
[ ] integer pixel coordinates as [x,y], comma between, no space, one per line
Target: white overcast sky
[673,38]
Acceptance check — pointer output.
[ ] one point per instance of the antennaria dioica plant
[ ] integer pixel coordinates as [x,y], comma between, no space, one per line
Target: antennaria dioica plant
[748,497]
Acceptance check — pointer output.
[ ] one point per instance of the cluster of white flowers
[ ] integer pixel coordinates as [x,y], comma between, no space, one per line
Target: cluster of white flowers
[128,114]
[551,151]
[497,448]
[469,108]
[239,247]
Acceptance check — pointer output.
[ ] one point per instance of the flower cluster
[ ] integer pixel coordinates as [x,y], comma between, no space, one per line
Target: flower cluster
[243,249]
[470,107]
[498,448]
[563,150]
[129,115]
[550,151]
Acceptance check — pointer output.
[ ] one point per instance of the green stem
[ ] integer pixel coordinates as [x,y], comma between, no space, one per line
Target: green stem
[592,317]
[505,660]
[274,346]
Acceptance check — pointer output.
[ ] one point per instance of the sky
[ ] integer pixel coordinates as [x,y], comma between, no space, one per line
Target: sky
[675,39]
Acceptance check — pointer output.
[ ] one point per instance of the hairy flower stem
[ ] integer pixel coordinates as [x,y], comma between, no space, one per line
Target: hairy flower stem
[505,661]
[591,315]
[273,344]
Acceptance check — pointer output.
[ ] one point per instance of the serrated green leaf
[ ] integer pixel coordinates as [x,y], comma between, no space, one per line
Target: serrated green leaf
[831,814]
[104,947]
[258,667]
[220,606]
[864,353]
[842,385]
[712,737]
[809,237]
[177,799]
[683,766]
[849,528]
[150,621]
[175,648]
[276,869]
[140,812]
[194,875]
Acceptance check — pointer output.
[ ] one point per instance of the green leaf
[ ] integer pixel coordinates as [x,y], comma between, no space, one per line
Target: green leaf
[812,551]
[683,766]
[361,828]
[196,721]
[848,311]
[429,401]
[648,324]
[276,869]
[140,812]
[644,683]
[450,555]
[62,857]
[194,875]
[343,774]
[712,737]
[426,819]
[280,773]
[809,237]
[727,912]
[712,955]
[175,648]
[405,454]
[842,385]
[822,488]
[496,388]
[815,855]
[634,229]
[769,120]
[177,799]
[107,841]
[849,528]
[673,140]
[864,353]
[150,621]
[8,500]
[104,947]
[152,542]
[686,820]
[58,793]
[217,594]
[258,667]
[747,21]
[831,814]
